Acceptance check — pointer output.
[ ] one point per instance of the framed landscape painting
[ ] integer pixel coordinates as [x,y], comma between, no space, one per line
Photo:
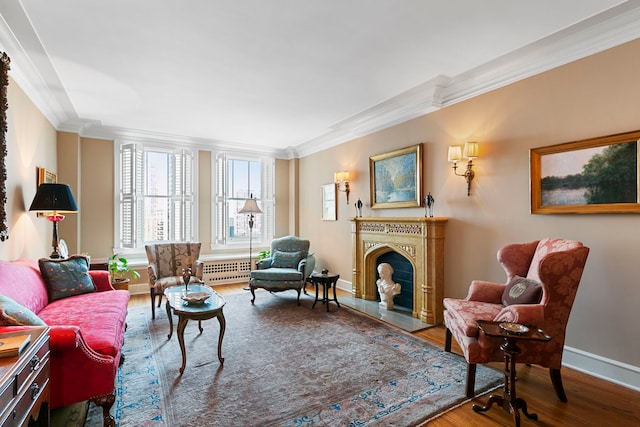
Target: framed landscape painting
[396,178]
[599,175]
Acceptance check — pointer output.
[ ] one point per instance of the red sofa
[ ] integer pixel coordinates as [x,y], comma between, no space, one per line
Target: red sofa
[86,333]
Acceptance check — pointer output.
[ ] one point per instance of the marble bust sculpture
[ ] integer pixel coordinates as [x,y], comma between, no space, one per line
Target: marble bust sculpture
[386,287]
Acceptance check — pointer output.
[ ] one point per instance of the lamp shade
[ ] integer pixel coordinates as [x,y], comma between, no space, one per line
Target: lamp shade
[455,153]
[54,198]
[471,150]
[250,207]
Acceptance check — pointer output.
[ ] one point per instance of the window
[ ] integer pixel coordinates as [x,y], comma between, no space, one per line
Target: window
[156,197]
[237,179]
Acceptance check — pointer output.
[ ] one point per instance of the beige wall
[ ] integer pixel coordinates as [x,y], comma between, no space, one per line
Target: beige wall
[31,143]
[593,97]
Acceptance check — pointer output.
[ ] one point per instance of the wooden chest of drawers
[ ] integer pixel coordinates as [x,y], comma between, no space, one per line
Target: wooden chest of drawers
[24,382]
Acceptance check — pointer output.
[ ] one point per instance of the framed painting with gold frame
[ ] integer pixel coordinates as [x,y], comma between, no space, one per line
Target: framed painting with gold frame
[396,178]
[598,175]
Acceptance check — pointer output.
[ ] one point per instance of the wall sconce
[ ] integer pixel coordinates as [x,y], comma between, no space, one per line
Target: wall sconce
[470,152]
[341,180]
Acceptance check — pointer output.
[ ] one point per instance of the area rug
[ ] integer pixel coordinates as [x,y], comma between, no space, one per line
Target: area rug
[285,365]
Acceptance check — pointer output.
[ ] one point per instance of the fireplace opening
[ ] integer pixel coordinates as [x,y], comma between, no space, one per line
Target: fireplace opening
[403,275]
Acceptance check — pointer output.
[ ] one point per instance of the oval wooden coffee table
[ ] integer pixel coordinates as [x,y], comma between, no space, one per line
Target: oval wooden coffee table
[208,309]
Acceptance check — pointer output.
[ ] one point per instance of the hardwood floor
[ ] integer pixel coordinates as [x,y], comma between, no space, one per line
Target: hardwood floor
[592,401]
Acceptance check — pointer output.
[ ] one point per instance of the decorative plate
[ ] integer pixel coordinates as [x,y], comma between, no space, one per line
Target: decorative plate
[196,297]
[514,328]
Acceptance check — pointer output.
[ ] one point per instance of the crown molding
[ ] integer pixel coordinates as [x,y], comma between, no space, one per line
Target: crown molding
[609,29]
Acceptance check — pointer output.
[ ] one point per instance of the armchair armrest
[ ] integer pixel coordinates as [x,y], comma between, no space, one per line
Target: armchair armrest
[101,280]
[483,291]
[264,263]
[525,314]
[199,266]
[153,275]
[306,265]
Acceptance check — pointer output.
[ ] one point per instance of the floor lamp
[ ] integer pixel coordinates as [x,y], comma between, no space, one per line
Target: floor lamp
[250,207]
[52,200]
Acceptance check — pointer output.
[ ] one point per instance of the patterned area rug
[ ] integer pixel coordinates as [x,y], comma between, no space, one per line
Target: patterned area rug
[285,366]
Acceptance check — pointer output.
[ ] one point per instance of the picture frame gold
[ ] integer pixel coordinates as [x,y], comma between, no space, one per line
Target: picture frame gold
[329,205]
[591,176]
[45,176]
[396,178]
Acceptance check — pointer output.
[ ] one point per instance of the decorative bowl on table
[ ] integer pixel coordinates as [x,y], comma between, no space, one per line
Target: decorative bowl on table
[195,298]
[514,328]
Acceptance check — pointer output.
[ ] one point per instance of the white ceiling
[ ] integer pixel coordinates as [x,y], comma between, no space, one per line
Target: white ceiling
[285,76]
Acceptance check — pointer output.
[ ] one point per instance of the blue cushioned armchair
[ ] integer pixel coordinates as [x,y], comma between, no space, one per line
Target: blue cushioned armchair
[288,267]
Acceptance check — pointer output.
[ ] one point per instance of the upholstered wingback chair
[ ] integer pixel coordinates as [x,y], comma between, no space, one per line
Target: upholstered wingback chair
[166,262]
[288,267]
[555,266]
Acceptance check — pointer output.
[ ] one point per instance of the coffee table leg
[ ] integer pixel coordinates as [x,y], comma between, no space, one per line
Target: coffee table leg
[223,326]
[315,284]
[170,320]
[182,324]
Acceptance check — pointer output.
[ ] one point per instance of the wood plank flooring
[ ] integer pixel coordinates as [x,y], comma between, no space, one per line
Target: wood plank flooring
[592,401]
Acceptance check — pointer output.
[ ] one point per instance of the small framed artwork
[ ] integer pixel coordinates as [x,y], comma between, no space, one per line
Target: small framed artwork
[45,176]
[598,175]
[396,178]
[329,206]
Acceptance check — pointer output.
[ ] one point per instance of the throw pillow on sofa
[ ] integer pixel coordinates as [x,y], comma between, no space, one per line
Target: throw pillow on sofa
[14,314]
[521,290]
[66,277]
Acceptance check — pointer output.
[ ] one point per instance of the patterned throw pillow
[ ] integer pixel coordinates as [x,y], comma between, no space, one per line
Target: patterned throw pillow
[66,277]
[281,259]
[14,314]
[521,290]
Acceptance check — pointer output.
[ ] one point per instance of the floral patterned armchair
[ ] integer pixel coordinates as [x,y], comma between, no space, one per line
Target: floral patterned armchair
[288,267]
[555,265]
[166,262]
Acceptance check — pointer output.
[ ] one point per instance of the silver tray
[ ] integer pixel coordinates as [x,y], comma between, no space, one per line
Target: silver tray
[514,328]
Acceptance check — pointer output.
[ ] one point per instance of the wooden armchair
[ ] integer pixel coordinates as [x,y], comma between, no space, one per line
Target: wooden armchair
[166,261]
[555,266]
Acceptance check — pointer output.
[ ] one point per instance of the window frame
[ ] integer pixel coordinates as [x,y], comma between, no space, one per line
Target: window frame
[139,147]
[266,202]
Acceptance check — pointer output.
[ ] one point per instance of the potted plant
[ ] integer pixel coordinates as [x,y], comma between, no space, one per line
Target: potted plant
[119,269]
[263,254]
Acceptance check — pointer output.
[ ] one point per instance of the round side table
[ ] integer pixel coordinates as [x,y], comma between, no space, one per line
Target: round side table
[327,281]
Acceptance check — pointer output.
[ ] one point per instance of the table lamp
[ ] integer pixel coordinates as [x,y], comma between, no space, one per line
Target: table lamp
[53,200]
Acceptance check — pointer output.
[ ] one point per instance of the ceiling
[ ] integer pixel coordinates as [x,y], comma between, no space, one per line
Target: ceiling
[288,77]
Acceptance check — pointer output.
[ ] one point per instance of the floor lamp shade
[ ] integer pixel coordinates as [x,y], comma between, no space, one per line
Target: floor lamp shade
[53,200]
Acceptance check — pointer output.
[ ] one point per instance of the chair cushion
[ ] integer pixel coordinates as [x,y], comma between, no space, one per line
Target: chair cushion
[14,314]
[66,277]
[277,274]
[465,313]
[521,290]
[280,259]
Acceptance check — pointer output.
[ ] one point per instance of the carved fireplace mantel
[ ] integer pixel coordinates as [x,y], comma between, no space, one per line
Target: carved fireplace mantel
[420,241]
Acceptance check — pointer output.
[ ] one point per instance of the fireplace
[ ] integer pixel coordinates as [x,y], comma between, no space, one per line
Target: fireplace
[418,240]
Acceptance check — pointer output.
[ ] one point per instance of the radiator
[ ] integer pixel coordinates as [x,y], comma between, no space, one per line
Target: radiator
[218,272]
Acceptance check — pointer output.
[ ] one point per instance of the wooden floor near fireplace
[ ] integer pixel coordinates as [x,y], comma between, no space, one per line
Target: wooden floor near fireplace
[592,401]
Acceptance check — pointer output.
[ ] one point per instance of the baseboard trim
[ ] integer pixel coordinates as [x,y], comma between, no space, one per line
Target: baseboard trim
[601,367]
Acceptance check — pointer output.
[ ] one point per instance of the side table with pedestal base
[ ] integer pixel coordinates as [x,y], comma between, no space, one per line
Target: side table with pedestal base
[511,333]
[326,280]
